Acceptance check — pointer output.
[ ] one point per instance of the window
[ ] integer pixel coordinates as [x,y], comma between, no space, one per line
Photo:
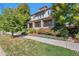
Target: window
[30,25]
[43,15]
[48,12]
[40,15]
[37,24]
[34,17]
[48,23]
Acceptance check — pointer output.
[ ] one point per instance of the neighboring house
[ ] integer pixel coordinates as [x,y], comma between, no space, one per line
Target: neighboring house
[41,19]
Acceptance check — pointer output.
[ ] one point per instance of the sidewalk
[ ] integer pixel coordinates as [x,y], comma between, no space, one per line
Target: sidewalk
[65,44]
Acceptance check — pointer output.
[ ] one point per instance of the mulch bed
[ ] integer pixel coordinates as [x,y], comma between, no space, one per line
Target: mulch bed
[76,40]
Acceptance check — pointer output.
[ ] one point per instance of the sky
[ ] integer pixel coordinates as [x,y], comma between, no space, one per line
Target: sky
[33,6]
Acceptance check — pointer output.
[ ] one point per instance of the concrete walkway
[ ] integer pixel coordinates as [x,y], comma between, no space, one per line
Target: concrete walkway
[2,52]
[65,44]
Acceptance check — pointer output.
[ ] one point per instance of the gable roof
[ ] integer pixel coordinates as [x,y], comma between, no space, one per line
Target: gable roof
[41,10]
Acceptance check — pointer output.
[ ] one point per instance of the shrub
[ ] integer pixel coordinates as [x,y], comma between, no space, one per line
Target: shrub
[44,31]
[30,31]
[63,32]
[48,31]
[77,36]
[55,33]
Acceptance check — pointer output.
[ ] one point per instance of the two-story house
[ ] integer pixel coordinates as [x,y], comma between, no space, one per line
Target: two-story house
[41,19]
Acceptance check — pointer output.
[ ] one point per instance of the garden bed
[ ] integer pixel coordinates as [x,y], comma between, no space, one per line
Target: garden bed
[76,40]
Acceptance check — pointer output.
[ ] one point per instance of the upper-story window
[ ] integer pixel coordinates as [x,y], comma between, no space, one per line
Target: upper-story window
[49,12]
[34,17]
[40,15]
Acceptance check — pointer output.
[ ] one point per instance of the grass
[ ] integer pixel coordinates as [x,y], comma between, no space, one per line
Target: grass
[28,47]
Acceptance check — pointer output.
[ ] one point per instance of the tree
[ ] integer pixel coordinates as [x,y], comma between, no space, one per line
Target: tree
[11,23]
[23,14]
[15,19]
[1,25]
[65,12]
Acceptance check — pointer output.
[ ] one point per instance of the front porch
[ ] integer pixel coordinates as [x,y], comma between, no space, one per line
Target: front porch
[43,23]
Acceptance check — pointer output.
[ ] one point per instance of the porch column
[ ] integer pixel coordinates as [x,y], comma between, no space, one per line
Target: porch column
[42,24]
[28,25]
[53,22]
[33,24]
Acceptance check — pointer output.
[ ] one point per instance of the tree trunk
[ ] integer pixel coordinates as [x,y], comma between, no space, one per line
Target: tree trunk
[12,34]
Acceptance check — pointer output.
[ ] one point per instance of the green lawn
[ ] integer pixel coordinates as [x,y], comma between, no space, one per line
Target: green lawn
[25,47]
